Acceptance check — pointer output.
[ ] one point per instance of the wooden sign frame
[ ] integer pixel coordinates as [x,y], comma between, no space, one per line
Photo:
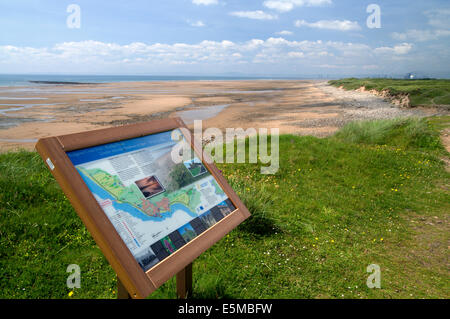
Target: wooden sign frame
[138,283]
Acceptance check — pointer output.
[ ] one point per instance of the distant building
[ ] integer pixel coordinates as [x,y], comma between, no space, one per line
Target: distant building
[417,76]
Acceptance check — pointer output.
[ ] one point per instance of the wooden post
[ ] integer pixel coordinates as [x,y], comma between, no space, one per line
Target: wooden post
[122,292]
[184,282]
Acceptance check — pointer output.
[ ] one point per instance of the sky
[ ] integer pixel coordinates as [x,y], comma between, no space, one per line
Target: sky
[290,38]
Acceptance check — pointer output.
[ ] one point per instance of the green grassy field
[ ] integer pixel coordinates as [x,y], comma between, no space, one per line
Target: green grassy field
[375,193]
[421,92]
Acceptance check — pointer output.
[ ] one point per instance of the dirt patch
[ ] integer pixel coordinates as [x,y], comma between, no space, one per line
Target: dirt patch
[424,253]
[445,138]
[430,243]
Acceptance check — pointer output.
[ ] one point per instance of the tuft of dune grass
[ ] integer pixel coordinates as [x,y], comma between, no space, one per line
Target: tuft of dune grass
[405,133]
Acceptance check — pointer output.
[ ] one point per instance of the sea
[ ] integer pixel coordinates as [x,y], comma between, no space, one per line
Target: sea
[39,79]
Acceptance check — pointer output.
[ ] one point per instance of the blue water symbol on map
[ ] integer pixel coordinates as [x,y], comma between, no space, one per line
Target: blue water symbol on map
[200,209]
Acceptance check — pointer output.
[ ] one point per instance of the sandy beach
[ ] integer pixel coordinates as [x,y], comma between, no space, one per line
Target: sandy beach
[293,106]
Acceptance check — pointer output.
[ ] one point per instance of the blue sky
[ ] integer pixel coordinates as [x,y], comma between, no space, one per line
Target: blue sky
[220,37]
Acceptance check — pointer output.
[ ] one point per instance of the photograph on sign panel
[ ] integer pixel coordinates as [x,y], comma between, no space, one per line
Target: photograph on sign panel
[155,204]
[195,167]
[149,186]
[187,232]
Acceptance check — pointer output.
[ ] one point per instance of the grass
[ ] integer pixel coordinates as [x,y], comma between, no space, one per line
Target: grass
[335,206]
[410,134]
[421,92]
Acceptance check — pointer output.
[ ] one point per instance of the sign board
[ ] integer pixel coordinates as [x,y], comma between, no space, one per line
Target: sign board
[150,215]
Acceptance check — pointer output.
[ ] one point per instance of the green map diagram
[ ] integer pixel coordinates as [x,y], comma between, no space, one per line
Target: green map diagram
[188,196]
[217,188]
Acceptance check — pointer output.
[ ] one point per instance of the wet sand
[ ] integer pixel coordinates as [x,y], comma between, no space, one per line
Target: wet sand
[295,107]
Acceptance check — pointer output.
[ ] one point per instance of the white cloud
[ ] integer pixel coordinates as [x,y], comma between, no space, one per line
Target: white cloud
[420,35]
[288,5]
[198,23]
[439,18]
[296,54]
[205,2]
[339,25]
[324,53]
[253,44]
[330,66]
[349,49]
[281,6]
[284,32]
[256,15]
[399,49]
[277,53]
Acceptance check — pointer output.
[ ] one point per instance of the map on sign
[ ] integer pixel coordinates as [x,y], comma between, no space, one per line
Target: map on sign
[155,204]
